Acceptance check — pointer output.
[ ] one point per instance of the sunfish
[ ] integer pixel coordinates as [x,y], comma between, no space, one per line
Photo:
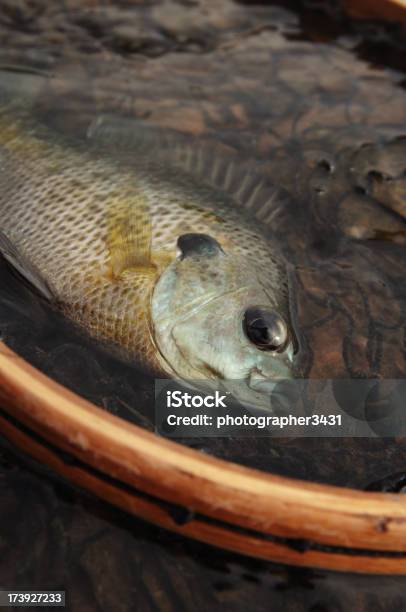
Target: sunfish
[168,261]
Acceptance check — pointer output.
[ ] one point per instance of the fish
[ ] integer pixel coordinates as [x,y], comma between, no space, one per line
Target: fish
[165,258]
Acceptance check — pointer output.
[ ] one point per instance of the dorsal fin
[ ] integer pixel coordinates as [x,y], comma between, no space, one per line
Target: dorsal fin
[228,172]
[211,163]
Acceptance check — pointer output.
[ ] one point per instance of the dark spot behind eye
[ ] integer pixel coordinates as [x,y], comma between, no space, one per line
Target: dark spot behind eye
[198,244]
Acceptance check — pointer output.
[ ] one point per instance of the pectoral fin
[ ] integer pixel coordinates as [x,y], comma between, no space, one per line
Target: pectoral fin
[24,266]
[129,234]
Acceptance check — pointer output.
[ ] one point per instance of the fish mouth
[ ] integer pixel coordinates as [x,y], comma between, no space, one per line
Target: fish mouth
[261,384]
[281,370]
[272,386]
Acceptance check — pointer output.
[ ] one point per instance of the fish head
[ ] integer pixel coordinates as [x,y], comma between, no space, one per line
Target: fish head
[214,317]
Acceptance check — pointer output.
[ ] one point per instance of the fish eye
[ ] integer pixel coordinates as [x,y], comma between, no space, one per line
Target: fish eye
[266,329]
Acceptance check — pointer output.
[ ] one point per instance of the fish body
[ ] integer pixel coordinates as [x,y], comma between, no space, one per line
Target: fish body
[142,255]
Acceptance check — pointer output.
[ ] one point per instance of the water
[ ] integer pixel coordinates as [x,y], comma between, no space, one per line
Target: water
[320,104]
